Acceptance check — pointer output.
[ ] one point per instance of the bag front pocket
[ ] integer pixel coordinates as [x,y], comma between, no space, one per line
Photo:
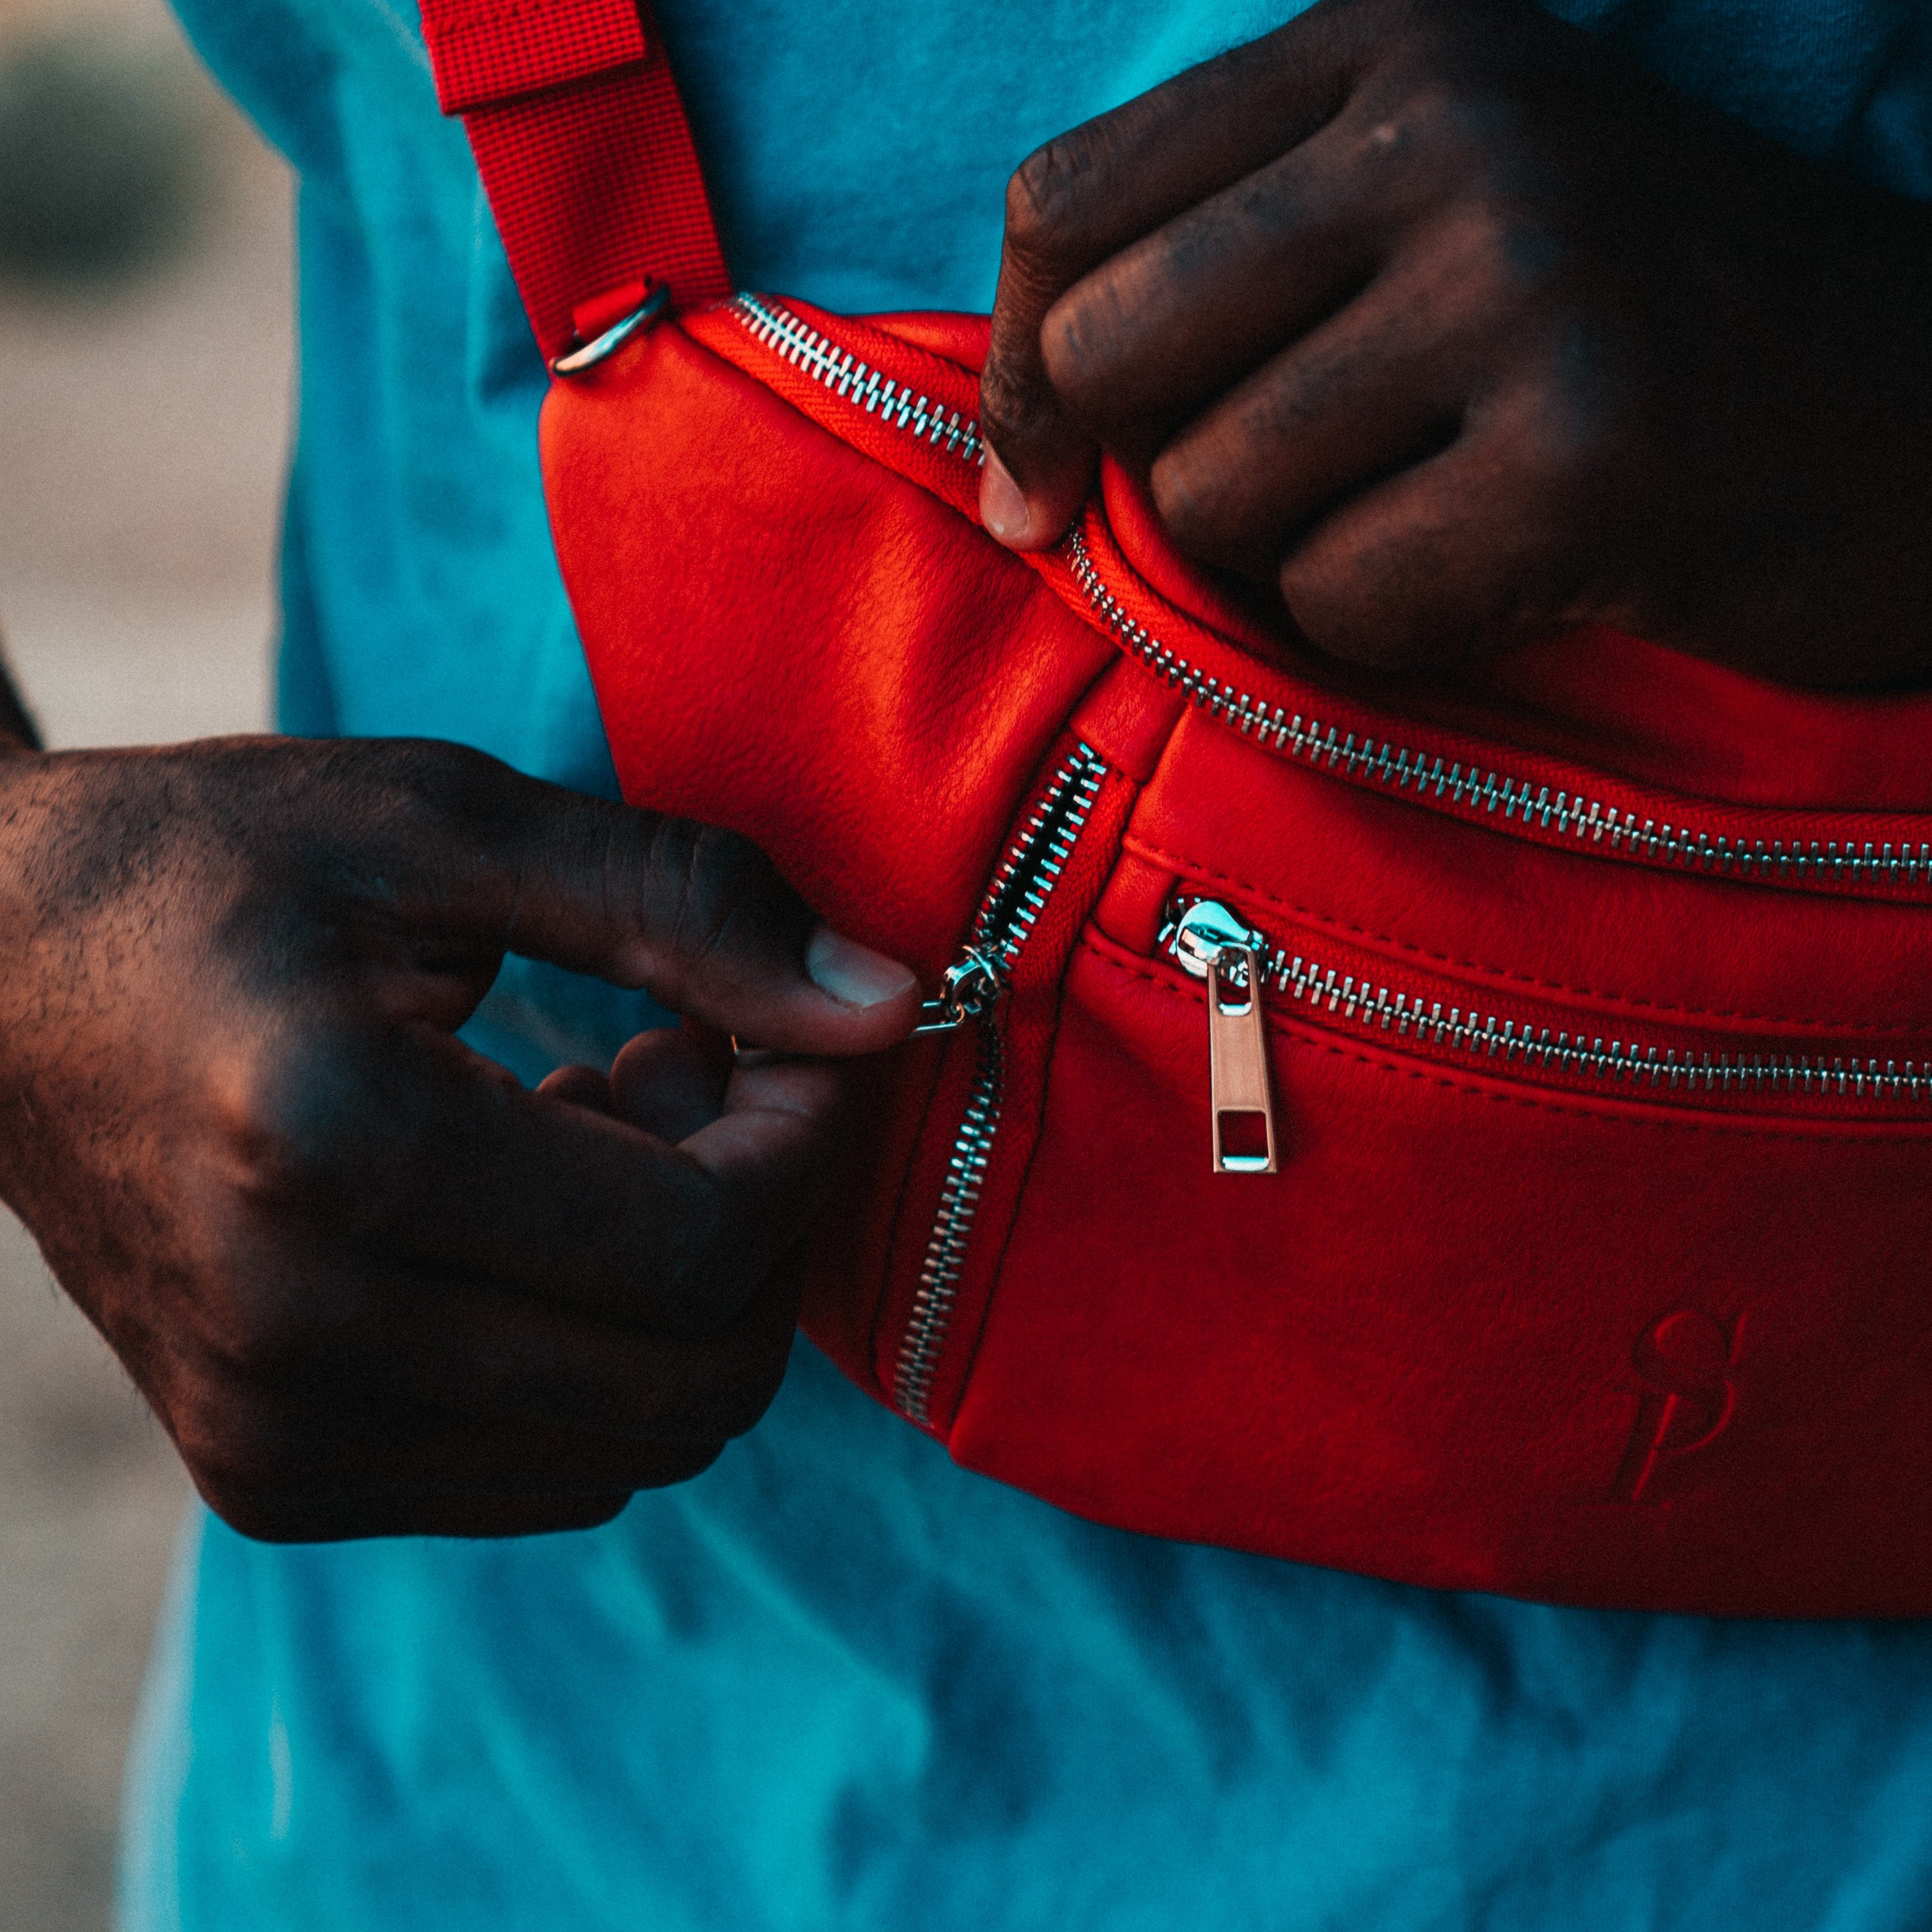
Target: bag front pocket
[1583,1294]
[1474,1332]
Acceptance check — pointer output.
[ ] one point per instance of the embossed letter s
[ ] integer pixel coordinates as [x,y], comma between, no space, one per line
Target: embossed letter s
[1684,1362]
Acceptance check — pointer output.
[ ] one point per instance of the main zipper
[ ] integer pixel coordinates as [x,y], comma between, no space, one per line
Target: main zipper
[1396,766]
[818,356]
[1021,888]
[1308,738]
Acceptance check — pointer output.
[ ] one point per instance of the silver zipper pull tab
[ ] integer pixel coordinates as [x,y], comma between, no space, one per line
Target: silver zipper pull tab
[1237,1065]
[1211,943]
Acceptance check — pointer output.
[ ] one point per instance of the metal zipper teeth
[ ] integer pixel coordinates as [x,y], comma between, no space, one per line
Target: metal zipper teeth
[1322,988]
[841,372]
[1023,882]
[1397,766]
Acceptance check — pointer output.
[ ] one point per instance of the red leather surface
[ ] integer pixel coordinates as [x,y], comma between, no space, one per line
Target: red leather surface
[1504,1320]
[1494,1324]
[1419,1350]
[838,666]
[1433,895]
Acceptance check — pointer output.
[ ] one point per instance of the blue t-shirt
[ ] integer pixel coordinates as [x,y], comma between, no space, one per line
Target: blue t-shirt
[836,1682]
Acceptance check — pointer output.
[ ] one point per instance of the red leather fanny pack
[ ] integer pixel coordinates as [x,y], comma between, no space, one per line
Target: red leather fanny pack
[1480,1135]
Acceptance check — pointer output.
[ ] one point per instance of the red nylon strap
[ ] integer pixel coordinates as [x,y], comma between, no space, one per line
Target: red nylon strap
[583,148]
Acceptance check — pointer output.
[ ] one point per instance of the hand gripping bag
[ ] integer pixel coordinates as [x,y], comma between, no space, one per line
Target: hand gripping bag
[1479,1134]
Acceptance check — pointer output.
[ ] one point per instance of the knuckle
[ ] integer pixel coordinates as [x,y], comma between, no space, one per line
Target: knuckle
[1423,143]
[739,1402]
[1191,505]
[264,1331]
[1080,344]
[1395,122]
[1528,253]
[453,782]
[1580,423]
[260,1516]
[297,1122]
[710,1399]
[1012,410]
[722,895]
[1050,193]
[674,1463]
[250,1464]
[594,1512]
[1559,449]
[1489,125]
[1360,606]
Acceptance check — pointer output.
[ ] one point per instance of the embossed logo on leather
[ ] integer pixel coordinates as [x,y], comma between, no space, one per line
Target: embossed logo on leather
[1684,1362]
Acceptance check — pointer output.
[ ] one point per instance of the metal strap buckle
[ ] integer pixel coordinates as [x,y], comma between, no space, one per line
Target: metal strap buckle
[576,360]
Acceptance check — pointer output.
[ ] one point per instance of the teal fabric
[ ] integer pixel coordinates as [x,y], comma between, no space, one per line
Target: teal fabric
[836,1682]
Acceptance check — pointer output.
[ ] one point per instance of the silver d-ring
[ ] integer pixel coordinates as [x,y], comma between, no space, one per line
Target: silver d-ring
[614,338]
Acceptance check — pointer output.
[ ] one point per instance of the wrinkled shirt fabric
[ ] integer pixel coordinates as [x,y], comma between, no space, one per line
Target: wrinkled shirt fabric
[836,1682]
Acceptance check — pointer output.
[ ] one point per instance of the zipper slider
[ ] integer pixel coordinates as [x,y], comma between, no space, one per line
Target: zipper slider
[1213,945]
[972,983]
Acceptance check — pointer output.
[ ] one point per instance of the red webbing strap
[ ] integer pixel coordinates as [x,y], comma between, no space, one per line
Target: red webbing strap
[585,153]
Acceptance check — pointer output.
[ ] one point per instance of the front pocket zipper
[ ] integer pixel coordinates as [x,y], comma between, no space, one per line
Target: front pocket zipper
[1207,940]
[1021,888]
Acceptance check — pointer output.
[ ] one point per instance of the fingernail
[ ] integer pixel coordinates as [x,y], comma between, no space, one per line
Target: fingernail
[854,975]
[1002,508]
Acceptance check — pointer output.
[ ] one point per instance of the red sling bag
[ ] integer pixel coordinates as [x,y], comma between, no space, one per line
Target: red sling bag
[1479,1135]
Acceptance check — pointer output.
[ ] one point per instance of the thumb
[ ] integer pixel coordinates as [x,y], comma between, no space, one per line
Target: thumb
[698,917]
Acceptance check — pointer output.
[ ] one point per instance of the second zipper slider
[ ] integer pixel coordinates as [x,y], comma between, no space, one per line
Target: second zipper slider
[1214,945]
[971,985]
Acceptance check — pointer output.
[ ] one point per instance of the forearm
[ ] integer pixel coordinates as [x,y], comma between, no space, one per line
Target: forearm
[16,727]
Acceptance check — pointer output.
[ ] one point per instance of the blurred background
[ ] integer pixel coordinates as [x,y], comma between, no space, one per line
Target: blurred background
[144,404]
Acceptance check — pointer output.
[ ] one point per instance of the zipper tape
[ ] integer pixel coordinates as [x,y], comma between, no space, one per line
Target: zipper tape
[1482,793]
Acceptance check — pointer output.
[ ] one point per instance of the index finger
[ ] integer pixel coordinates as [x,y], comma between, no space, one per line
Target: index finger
[1080,200]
